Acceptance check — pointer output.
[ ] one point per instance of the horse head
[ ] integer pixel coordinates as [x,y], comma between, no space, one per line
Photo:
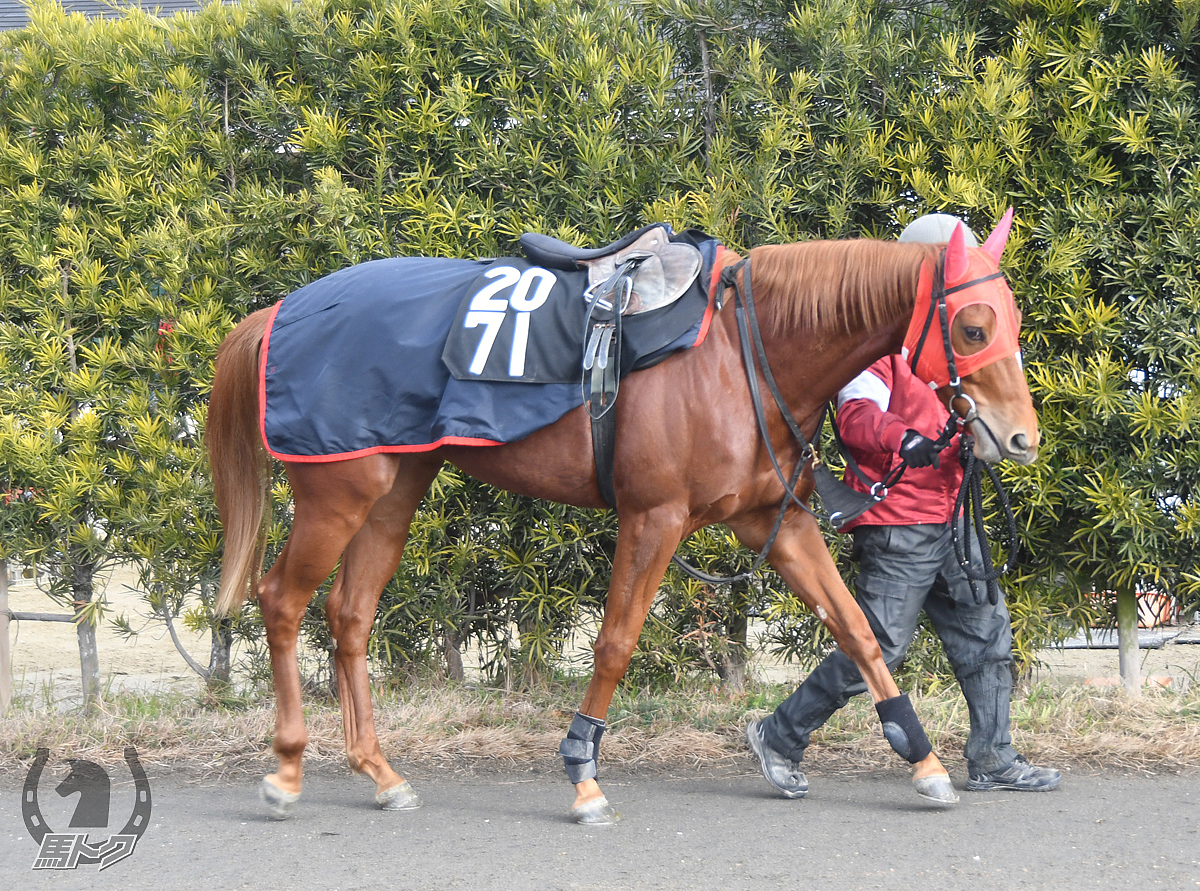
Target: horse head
[983,322]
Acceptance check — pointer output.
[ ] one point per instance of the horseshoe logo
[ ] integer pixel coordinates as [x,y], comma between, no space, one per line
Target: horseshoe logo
[68,850]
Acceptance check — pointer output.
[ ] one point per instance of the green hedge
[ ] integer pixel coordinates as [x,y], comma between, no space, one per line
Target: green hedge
[159,179]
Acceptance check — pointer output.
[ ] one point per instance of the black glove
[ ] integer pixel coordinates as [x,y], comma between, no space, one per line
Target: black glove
[918,450]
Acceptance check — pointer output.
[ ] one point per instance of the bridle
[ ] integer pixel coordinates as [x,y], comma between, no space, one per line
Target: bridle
[968,511]
[968,505]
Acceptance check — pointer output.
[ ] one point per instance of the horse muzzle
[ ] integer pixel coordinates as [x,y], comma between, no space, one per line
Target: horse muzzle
[1016,445]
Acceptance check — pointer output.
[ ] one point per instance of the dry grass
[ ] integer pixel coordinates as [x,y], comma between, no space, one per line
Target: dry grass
[468,728]
[1073,726]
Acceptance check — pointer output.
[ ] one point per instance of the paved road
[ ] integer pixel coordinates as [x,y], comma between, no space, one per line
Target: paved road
[720,830]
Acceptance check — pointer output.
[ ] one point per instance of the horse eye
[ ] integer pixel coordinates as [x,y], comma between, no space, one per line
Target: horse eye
[976,334]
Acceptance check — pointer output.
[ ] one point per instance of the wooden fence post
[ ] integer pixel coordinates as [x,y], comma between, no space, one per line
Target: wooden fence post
[1127,639]
[5,653]
[7,615]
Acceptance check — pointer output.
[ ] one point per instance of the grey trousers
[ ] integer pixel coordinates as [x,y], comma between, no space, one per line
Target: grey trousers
[904,570]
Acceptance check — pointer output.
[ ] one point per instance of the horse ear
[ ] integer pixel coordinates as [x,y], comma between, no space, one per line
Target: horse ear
[956,255]
[999,237]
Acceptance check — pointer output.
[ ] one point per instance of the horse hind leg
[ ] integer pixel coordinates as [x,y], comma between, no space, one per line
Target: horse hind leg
[331,504]
[283,594]
[370,560]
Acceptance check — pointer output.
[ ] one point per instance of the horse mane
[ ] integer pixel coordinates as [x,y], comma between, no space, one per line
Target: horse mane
[827,286]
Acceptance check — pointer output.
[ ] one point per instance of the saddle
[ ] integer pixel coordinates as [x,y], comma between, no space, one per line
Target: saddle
[661,271]
[643,271]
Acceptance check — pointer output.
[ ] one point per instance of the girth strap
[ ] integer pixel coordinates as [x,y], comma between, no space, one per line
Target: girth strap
[604,447]
[602,370]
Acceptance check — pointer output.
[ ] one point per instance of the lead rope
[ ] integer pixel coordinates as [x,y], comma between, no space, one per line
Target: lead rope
[968,513]
[879,490]
[971,513]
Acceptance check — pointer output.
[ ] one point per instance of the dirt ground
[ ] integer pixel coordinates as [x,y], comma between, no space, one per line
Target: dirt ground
[1176,664]
[46,655]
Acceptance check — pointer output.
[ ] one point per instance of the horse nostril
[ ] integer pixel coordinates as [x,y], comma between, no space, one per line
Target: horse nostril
[1019,443]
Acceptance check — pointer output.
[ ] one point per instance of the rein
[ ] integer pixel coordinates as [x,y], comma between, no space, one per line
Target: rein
[754,357]
[968,510]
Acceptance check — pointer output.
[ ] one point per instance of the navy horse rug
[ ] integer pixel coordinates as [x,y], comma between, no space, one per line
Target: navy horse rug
[412,353]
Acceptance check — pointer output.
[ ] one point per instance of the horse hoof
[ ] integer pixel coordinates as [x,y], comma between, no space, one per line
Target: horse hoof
[936,789]
[279,804]
[597,812]
[398,798]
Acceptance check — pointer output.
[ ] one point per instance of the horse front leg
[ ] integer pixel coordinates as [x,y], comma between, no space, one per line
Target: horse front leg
[645,544]
[801,557]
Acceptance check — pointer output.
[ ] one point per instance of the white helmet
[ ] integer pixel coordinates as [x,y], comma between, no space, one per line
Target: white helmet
[936,228]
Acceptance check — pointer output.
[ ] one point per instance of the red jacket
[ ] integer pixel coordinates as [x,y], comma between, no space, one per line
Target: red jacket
[874,411]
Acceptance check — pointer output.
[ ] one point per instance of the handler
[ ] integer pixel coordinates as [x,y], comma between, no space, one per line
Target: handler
[907,564]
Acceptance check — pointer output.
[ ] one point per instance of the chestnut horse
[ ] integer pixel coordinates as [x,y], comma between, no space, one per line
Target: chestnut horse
[688,454]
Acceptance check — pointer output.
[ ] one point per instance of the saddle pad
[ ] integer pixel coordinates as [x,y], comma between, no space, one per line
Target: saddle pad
[521,321]
[352,365]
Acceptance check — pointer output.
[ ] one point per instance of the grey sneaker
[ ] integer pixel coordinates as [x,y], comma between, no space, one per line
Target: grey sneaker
[1020,776]
[781,773]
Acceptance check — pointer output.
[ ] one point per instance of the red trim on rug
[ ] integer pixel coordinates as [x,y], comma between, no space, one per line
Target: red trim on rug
[378,450]
[338,456]
[706,322]
[262,375]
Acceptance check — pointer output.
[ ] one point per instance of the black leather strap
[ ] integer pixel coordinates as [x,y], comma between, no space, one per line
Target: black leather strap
[602,370]
[842,503]
[604,442]
[751,344]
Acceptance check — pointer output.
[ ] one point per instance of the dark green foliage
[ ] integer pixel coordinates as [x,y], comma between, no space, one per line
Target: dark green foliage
[1108,247]
[159,179]
[513,576]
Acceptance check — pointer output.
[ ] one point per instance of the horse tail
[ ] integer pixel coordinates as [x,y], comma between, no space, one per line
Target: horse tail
[240,470]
